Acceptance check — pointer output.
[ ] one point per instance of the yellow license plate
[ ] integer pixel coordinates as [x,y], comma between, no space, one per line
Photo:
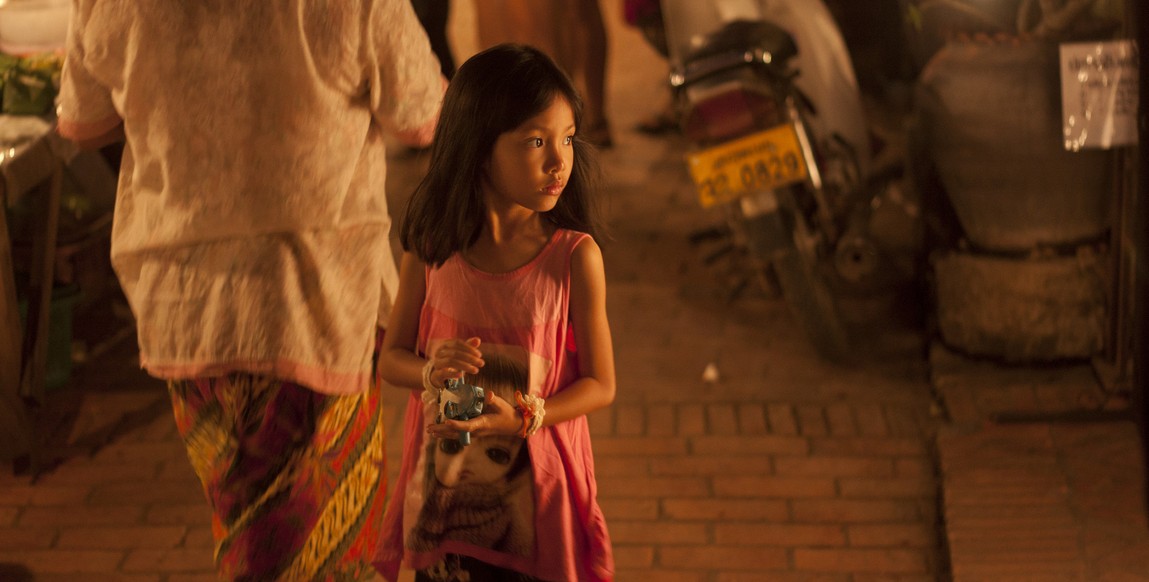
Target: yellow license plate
[764,160]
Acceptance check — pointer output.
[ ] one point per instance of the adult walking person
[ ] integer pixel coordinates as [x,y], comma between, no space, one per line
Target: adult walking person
[251,240]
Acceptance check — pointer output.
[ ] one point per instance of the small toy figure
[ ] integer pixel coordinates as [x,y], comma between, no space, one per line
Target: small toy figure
[460,401]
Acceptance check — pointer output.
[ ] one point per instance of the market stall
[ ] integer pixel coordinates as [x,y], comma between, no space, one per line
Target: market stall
[53,198]
[31,180]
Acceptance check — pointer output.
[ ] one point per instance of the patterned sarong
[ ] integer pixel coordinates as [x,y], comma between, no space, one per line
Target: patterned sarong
[296,479]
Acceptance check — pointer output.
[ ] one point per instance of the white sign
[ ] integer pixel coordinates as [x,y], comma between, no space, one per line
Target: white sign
[1099,94]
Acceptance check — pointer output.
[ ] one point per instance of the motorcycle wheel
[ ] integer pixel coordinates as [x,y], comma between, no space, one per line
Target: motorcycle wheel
[812,304]
[806,292]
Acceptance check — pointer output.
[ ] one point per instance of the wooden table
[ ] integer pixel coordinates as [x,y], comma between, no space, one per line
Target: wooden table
[33,168]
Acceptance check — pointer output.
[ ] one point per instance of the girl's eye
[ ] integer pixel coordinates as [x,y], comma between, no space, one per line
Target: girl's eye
[537,142]
[568,140]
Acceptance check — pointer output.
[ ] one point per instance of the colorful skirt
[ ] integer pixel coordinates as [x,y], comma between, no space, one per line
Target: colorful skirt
[296,479]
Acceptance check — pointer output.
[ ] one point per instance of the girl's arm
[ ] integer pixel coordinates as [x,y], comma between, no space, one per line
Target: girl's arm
[594,389]
[399,362]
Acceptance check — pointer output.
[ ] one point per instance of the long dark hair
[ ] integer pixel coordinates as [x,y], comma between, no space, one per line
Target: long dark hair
[492,93]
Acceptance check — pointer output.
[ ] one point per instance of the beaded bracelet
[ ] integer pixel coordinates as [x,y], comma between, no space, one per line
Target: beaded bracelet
[427,369]
[533,410]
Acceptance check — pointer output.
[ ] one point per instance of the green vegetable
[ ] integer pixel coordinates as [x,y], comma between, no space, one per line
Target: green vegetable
[29,84]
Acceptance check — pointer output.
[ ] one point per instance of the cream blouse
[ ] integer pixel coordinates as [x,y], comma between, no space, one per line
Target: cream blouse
[251,224]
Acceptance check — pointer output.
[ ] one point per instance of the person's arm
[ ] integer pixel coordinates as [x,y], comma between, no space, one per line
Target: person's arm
[405,82]
[595,387]
[95,142]
[399,362]
[85,112]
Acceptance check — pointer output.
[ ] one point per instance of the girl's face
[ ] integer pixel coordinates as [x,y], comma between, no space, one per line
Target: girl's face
[486,460]
[530,165]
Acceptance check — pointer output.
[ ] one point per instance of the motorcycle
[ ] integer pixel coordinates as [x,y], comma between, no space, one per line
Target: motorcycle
[767,98]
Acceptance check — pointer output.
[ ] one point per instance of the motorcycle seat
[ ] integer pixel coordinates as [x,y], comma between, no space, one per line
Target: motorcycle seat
[745,35]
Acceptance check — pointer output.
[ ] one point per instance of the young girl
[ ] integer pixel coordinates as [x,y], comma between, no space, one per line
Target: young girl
[501,262]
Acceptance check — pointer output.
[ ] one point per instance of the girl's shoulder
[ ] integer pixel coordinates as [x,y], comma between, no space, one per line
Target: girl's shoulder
[569,247]
[585,257]
[570,239]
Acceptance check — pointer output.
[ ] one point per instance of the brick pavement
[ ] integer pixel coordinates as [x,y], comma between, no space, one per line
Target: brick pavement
[1042,472]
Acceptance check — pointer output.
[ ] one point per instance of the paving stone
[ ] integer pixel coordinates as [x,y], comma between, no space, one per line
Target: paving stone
[780,535]
[727,509]
[752,418]
[782,419]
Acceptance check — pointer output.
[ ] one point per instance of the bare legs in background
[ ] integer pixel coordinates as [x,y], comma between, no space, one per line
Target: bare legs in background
[572,32]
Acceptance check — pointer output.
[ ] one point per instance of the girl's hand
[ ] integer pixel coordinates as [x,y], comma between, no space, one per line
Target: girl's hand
[499,417]
[454,358]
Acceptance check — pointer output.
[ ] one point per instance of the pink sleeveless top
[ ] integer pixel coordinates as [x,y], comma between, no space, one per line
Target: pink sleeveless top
[530,508]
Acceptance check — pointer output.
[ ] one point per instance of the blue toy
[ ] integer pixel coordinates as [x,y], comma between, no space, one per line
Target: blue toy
[460,401]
